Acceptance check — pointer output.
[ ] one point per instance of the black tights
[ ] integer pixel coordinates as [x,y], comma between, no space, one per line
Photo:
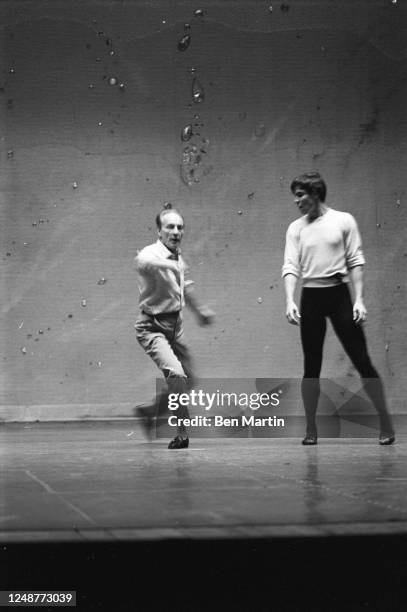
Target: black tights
[334,302]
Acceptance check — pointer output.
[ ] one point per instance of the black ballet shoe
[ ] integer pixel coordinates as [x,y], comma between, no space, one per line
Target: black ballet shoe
[386,440]
[179,442]
[310,440]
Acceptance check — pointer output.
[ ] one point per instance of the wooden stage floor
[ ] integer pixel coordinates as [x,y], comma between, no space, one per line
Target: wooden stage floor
[96,500]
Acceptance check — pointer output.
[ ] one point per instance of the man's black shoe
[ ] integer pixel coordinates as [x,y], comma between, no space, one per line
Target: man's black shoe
[179,442]
[310,440]
[385,440]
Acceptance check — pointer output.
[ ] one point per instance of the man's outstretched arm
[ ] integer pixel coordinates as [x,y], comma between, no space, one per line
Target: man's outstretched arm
[149,263]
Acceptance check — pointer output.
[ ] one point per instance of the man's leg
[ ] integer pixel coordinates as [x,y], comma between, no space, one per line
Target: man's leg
[183,354]
[353,341]
[313,329]
[155,335]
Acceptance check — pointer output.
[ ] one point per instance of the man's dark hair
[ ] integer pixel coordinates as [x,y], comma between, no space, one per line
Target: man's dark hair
[312,183]
[167,209]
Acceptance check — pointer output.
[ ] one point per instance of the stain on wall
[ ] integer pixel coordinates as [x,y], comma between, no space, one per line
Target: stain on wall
[110,109]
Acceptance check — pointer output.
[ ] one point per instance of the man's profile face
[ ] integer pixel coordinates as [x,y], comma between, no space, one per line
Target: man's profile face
[172,230]
[307,204]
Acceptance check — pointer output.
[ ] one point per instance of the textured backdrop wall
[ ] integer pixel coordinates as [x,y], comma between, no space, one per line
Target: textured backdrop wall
[95,97]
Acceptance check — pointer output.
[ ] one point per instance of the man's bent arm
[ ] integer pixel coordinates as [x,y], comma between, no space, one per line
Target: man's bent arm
[204,314]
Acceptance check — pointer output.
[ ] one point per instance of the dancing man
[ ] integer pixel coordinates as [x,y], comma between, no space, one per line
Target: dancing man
[323,247]
[159,330]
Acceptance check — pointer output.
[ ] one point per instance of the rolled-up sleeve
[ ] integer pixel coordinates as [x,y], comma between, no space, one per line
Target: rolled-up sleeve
[353,244]
[291,263]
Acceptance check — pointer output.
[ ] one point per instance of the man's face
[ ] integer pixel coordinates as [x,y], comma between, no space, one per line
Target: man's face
[172,230]
[307,204]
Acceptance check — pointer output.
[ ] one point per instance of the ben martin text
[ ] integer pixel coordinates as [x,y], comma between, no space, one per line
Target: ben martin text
[220,421]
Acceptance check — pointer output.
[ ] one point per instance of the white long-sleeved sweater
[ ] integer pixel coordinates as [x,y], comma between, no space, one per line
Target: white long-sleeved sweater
[322,251]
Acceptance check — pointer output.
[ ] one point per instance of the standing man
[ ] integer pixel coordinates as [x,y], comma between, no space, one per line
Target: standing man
[163,293]
[324,248]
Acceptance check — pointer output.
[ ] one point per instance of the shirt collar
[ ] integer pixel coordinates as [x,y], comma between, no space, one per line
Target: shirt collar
[163,251]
